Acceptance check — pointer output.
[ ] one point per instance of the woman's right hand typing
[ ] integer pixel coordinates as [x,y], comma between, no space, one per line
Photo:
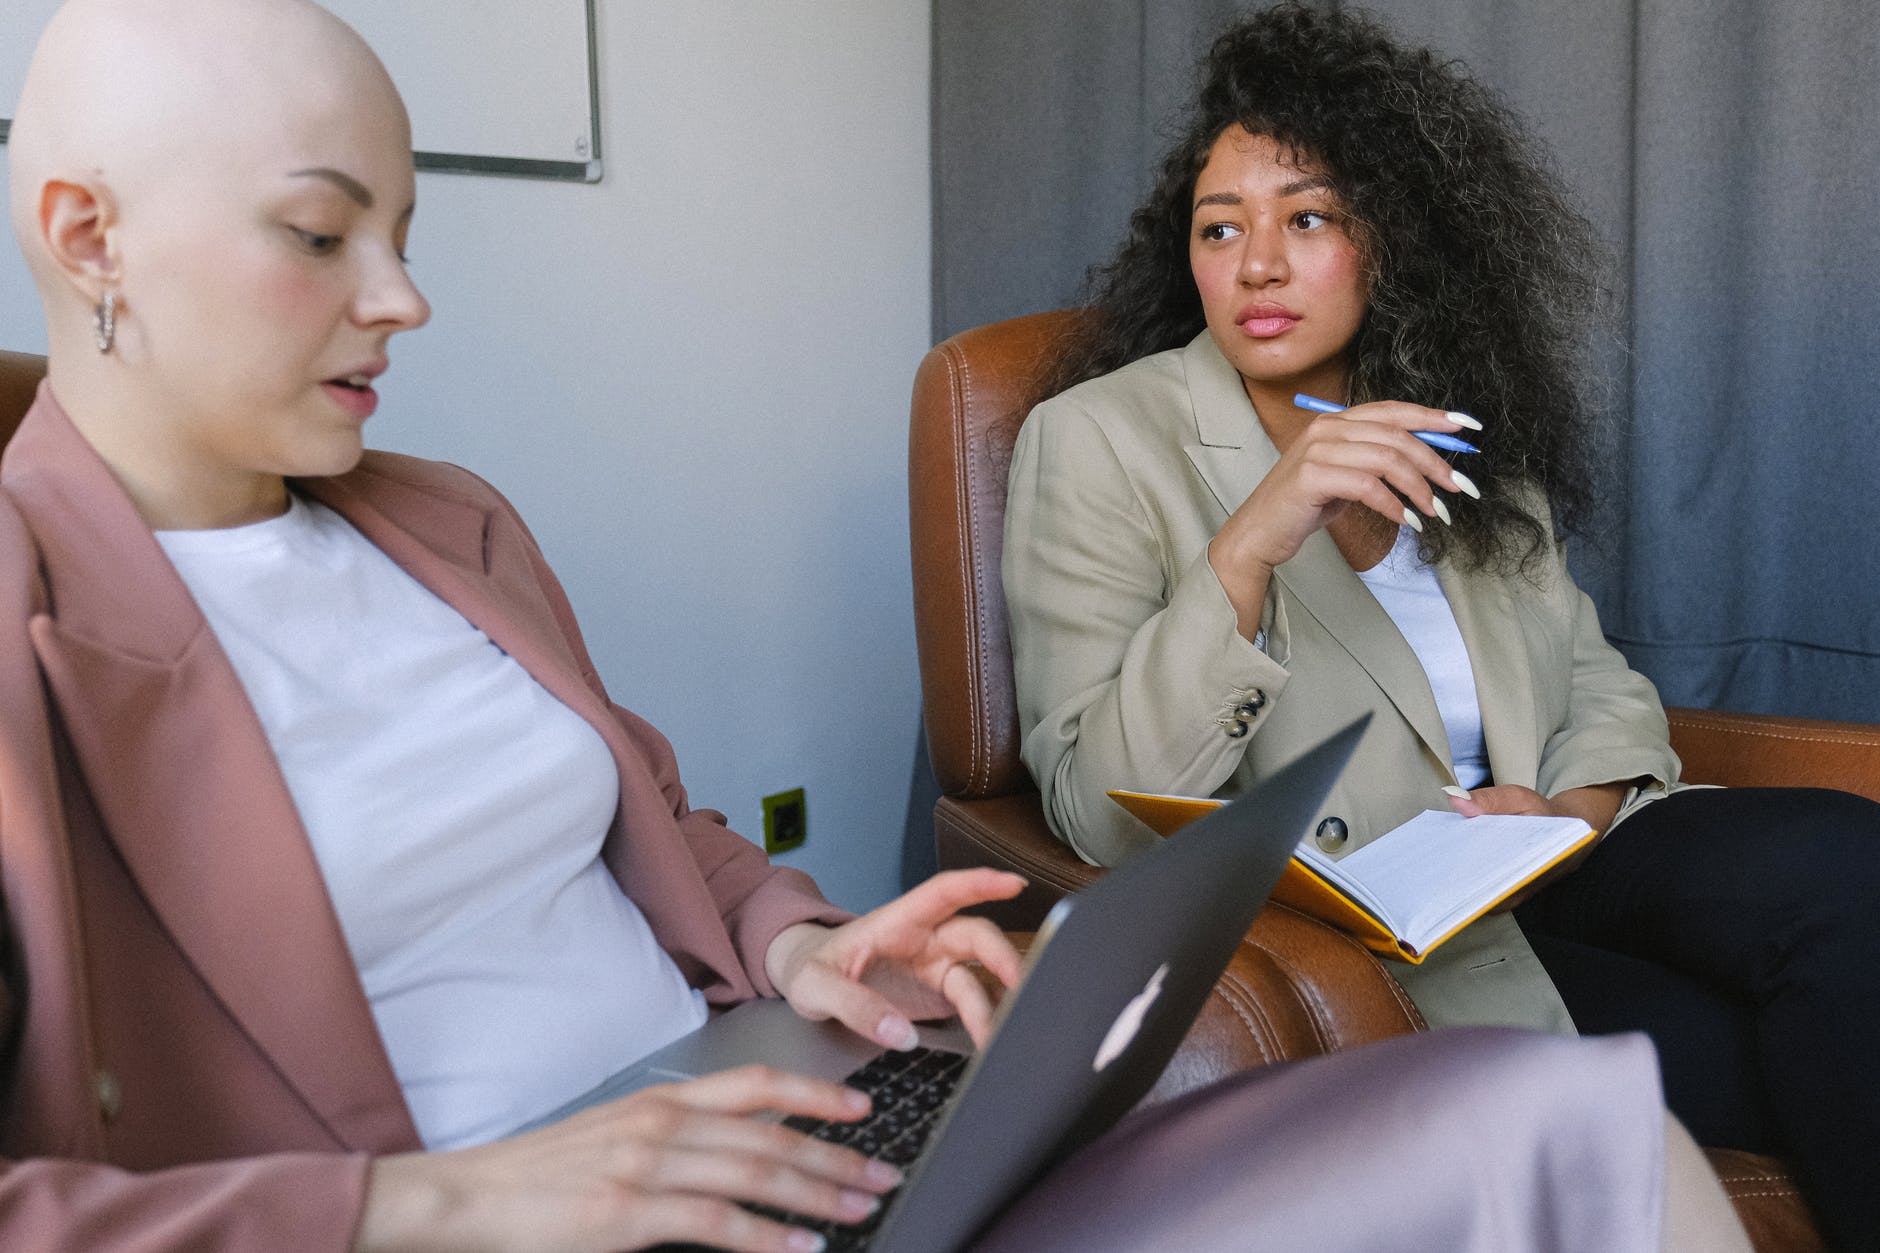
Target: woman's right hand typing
[664,1164]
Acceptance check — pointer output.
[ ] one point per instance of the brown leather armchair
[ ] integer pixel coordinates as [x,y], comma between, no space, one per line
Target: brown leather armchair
[1297,987]
[20,373]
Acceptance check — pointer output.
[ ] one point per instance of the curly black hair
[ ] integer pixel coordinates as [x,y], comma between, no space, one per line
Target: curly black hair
[1485,283]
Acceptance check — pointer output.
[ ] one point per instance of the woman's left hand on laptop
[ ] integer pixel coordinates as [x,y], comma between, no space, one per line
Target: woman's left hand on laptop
[910,959]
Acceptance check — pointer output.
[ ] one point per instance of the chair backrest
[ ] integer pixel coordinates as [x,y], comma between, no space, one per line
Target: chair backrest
[20,373]
[970,396]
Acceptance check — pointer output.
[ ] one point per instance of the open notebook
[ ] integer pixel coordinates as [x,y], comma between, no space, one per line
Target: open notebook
[1411,888]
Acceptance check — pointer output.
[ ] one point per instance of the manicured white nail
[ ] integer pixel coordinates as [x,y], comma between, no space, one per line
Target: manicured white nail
[897,1033]
[1460,793]
[801,1241]
[1465,484]
[1463,419]
[880,1174]
[1441,510]
[1411,520]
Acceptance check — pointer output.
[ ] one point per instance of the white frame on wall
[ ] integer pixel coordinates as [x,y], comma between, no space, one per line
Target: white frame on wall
[494,87]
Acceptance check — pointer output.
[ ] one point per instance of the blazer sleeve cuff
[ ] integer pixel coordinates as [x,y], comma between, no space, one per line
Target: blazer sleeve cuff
[1612,765]
[787,897]
[1225,672]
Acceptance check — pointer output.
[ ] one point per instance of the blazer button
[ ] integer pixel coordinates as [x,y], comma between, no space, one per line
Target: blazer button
[1236,728]
[110,1097]
[1332,834]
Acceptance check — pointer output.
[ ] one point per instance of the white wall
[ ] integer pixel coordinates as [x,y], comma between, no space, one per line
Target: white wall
[693,378]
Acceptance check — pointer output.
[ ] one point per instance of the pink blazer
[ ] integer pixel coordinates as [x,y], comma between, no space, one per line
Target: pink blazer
[187,1059]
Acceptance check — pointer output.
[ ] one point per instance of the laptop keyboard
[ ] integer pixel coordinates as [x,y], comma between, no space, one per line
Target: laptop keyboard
[909,1090]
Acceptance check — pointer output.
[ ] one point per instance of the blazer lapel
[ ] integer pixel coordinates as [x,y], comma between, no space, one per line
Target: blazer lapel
[1498,656]
[448,544]
[1322,582]
[465,553]
[189,790]
[1232,454]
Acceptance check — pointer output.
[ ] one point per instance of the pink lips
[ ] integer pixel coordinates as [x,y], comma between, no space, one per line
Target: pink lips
[1264,321]
[361,402]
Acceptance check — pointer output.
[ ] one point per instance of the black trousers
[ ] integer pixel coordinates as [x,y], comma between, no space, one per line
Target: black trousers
[1740,929]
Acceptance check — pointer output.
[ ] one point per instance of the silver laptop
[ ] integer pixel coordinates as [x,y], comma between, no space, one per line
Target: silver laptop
[1116,976]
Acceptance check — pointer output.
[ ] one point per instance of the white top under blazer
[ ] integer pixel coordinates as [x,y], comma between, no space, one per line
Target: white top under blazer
[456,810]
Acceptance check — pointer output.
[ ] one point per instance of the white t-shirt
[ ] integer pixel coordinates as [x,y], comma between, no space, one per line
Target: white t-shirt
[457,811]
[1406,586]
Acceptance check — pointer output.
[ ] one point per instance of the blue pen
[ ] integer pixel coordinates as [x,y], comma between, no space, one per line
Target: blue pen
[1435,439]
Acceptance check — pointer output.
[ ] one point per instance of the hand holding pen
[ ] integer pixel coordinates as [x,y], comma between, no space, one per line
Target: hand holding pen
[1458,481]
[1378,455]
[1435,439]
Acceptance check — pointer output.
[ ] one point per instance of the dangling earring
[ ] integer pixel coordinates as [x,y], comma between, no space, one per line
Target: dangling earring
[104,322]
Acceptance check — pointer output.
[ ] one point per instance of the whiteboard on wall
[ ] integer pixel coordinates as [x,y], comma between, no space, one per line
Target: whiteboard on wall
[494,86]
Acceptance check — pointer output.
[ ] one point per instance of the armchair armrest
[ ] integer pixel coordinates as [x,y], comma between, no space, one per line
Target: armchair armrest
[20,373]
[1763,750]
[1009,833]
[1295,988]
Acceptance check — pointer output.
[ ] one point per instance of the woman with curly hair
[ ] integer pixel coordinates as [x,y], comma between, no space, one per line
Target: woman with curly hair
[1204,576]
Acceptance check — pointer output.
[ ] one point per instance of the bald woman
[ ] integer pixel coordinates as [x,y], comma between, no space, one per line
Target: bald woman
[327,862]
[213,197]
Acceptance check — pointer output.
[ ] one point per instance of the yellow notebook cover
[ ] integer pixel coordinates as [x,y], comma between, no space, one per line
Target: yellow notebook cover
[1302,888]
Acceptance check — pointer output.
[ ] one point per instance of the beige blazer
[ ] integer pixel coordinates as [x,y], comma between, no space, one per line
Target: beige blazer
[1131,671]
[187,1058]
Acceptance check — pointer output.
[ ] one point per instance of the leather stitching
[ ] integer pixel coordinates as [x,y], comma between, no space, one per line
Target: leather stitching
[1371,966]
[1737,729]
[960,380]
[1258,1027]
[1017,855]
[1306,991]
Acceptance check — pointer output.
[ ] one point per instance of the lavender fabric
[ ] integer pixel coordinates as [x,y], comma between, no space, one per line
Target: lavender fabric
[1474,1141]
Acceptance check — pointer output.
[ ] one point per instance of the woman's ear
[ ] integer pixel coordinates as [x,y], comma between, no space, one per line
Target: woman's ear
[76,224]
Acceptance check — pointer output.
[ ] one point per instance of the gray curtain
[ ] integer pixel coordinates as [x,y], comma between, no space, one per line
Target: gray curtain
[1729,150]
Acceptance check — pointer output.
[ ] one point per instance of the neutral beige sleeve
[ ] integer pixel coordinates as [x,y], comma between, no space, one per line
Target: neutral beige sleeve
[1129,672]
[1615,726]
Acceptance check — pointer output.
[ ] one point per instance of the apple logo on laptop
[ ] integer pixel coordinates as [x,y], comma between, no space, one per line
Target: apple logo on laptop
[1123,1031]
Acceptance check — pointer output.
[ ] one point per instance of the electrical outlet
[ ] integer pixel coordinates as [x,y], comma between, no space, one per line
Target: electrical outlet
[786,821]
